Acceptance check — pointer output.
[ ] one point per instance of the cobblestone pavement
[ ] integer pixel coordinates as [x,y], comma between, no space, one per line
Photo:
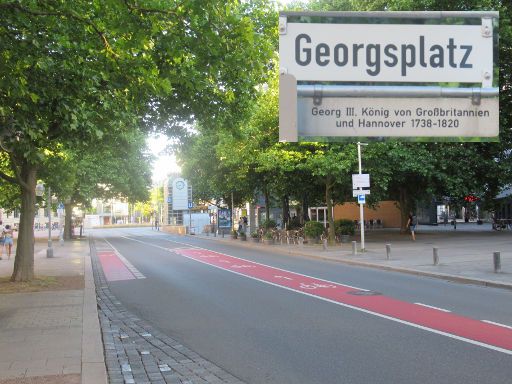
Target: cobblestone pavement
[135,352]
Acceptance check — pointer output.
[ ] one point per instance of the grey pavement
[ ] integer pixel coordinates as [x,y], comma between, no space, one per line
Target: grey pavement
[465,254]
[52,336]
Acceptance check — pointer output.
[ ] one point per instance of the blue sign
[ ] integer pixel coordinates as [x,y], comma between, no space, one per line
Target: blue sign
[60,206]
[361,199]
[190,205]
[169,199]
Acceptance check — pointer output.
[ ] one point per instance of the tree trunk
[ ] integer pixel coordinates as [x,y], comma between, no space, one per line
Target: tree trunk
[267,203]
[68,221]
[330,219]
[24,261]
[286,212]
[405,208]
[305,209]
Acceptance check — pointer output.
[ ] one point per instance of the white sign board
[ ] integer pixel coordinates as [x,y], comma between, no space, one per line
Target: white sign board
[398,117]
[357,192]
[386,52]
[179,194]
[360,180]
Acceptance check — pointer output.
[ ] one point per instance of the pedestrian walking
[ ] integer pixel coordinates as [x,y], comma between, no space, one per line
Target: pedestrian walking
[2,240]
[8,240]
[411,223]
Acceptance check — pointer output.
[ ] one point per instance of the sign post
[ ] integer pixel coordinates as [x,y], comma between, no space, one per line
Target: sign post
[360,181]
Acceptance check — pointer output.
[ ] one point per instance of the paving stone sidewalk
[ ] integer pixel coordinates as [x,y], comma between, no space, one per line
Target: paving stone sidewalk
[135,352]
[52,336]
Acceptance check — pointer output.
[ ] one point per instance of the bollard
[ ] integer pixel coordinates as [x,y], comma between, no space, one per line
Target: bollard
[324,244]
[222,233]
[354,247]
[435,251]
[497,262]
[388,251]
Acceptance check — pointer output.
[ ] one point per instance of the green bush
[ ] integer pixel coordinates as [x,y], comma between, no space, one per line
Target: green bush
[268,224]
[268,236]
[313,229]
[344,227]
[255,234]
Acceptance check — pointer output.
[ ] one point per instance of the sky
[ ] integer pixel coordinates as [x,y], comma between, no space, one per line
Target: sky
[164,163]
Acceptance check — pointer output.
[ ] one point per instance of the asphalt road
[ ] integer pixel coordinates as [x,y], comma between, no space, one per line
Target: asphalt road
[264,333]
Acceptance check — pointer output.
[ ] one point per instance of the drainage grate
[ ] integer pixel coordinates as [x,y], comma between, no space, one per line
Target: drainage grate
[364,293]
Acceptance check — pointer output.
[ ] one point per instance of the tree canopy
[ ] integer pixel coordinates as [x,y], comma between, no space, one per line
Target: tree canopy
[73,72]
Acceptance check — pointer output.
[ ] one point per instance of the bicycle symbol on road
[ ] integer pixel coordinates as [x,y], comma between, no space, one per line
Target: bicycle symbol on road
[242,266]
[316,285]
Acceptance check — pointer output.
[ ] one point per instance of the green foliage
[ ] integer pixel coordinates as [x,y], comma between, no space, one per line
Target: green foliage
[344,227]
[269,224]
[313,229]
[268,236]
[255,235]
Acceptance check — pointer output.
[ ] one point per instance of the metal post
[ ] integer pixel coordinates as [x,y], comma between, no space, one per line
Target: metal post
[324,244]
[497,262]
[354,247]
[436,255]
[361,210]
[61,232]
[388,251]
[49,250]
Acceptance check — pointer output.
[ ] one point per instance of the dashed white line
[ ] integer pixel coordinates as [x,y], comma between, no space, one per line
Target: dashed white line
[498,324]
[431,306]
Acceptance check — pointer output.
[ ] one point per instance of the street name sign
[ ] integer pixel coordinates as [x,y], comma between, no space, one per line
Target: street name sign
[386,52]
[409,76]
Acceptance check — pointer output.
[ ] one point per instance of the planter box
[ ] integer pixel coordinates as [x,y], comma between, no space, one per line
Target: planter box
[345,238]
[255,239]
[243,238]
[268,242]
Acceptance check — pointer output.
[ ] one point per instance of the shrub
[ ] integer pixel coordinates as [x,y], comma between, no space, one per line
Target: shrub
[268,224]
[268,236]
[255,234]
[344,227]
[313,229]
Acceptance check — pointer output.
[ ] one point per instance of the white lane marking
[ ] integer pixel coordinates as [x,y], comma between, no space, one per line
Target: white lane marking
[498,324]
[128,265]
[455,337]
[282,277]
[431,306]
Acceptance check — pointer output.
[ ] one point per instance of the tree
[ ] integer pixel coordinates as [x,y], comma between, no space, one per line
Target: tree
[72,71]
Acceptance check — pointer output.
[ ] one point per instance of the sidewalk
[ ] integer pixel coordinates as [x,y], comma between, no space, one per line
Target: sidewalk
[52,336]
[465,254]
